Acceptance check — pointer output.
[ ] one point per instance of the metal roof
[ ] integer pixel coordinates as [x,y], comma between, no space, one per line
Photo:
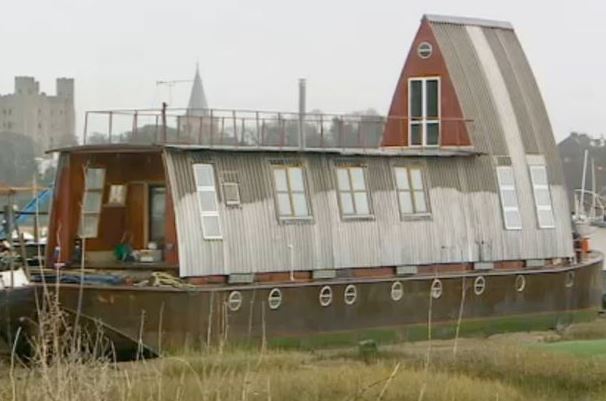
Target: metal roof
[486,23]
[385,152]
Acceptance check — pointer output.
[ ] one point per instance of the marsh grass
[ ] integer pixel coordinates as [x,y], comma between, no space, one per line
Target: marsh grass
[481,370]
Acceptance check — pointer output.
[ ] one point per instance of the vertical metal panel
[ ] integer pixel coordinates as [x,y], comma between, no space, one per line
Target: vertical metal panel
[518,100]
[534,103]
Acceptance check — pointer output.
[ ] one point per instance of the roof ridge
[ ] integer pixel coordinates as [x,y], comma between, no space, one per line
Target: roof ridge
[451,19]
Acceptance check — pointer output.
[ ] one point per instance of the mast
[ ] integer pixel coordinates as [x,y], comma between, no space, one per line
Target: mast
[582,201]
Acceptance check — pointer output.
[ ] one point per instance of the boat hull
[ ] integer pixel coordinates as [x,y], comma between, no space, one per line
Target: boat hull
[17,317]
[143,322]
[157,319]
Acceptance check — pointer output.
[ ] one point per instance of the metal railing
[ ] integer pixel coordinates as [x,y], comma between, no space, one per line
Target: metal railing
[252,128]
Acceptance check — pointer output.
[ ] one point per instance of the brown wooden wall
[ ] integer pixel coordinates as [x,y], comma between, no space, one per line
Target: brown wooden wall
[137,171]
[453,130]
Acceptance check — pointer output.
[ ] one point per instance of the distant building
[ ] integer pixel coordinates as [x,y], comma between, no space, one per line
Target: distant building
[48,120]
[194,119]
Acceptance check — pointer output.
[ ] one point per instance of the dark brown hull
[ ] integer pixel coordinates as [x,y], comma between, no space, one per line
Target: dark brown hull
[163,318]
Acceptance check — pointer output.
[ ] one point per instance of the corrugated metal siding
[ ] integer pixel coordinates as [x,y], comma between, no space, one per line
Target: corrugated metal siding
[530,115]
[254,240]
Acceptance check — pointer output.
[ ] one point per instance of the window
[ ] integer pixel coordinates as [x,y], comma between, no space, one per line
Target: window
[424,111]
[157,214]
[117,195]
[542,197]
[424,50]
[274,299]
[353,193]
[509,198]
[290,191]
[204,175]
[94,180]
[411,191]
[231,188]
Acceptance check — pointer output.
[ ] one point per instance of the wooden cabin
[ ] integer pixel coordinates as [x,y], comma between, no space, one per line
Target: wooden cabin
[467,177]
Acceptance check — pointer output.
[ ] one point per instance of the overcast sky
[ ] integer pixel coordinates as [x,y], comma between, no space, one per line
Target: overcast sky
[251,53]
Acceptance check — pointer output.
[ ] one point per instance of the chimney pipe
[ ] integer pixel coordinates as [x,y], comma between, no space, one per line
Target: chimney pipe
[302,106]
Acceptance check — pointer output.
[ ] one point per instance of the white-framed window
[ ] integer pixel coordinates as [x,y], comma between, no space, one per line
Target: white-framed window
[424,111]
[542,196]
[353,191]
[117,195]
[231,188]
[410,186]
[94,182]
[291,191]
[509,198]
[424,50]
[204,176]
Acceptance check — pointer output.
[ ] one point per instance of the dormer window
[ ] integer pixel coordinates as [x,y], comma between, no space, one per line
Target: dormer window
[424,111]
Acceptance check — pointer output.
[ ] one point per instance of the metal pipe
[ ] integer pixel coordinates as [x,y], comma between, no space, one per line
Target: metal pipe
[302,110]
[110,126]
[85,127]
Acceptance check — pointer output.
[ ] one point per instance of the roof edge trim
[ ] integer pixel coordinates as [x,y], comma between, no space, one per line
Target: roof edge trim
[486,23]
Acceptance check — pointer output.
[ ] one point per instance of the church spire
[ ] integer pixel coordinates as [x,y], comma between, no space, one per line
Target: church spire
[197,105]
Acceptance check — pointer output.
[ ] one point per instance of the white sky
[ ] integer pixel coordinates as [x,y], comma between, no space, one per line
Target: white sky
[251,53]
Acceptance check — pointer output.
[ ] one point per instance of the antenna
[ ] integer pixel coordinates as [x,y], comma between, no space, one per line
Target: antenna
[170,85]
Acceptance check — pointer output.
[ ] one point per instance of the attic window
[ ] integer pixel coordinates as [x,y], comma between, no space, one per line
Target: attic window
[425,50]
[424,111]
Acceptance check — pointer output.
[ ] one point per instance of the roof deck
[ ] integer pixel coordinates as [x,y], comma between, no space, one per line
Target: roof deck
[223,129]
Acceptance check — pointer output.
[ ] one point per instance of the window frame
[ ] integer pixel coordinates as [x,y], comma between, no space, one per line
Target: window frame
[546,187]
[352,192]
[122,203]
[286,165]
[208,188]
[411,191]
[424,120]
[505,209]
[83,212]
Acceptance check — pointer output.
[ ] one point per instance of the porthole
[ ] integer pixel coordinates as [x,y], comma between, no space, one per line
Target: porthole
[436,289]
[424,50]
[569,279]
[397,291]
[520,283]
[325,296]
[479,285]
[234,301]
[351,294]
[274,299]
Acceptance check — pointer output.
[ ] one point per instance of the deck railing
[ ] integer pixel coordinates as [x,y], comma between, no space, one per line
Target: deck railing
[251,128]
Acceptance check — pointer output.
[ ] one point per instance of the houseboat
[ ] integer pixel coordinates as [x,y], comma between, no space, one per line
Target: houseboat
[449,214]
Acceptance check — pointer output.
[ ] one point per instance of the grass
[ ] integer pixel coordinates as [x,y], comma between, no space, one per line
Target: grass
[518,366]
[582,348]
